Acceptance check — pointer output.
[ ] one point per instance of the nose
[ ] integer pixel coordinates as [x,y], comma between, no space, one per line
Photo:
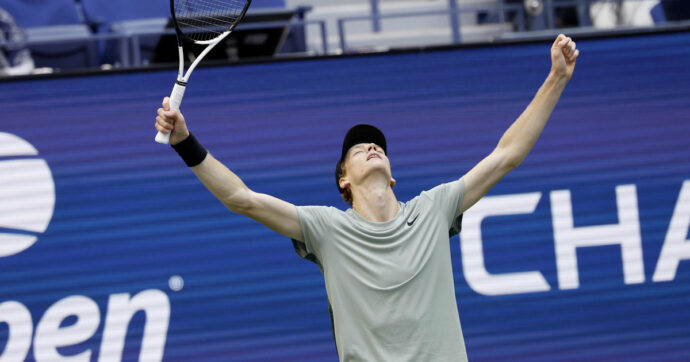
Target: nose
[372,146]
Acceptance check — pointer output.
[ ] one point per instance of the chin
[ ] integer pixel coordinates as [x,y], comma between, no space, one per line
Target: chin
[380,168]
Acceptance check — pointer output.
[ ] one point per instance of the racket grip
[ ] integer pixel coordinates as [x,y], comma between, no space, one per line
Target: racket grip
[175,101]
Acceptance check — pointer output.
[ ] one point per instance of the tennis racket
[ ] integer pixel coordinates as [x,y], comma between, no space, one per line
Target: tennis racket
[203,22]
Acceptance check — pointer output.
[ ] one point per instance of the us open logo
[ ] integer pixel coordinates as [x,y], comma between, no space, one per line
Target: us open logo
[27,195]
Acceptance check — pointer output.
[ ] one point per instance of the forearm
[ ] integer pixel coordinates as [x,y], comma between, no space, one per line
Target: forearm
[519,139]
[217,178]
[276,214]
[223,184]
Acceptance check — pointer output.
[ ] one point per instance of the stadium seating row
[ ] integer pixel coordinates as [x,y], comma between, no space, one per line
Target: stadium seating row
[77,34]
[35,13]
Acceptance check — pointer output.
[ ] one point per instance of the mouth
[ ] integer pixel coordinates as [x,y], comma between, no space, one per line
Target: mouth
[373,155]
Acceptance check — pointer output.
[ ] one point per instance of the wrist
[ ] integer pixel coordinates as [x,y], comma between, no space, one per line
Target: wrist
[190,150]
[558,76]
[185,137]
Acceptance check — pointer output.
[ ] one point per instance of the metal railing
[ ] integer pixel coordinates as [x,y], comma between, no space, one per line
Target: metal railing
[91,38]
[582,7]
[129,44]
[453,12]
[134,38]
[549,9]
[547,16]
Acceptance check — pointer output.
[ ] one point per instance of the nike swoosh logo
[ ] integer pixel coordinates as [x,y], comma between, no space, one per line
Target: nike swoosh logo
[409,223]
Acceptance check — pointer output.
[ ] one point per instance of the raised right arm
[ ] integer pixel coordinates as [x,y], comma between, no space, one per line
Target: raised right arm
[279,215]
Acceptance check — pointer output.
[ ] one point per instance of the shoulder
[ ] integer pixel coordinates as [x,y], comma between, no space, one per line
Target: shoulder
[445,198]
[455,187]
[318,209]
[325,213]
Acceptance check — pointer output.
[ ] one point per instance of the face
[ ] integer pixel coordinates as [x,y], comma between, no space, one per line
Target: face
[364,160]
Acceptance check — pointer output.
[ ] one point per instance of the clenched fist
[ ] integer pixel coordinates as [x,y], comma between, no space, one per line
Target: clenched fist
[563,56]
[171,121]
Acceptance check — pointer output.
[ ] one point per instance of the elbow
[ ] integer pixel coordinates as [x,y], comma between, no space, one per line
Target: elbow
[239,202]
[510,159]
[512,163]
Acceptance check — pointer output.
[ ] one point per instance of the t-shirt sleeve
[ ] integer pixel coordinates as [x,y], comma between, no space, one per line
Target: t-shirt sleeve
[315,223]
[447,199]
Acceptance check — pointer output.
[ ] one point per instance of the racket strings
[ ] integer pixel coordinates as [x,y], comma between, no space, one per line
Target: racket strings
[204,20]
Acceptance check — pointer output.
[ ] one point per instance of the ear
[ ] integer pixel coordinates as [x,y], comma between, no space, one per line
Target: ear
[392,182]
[343,182]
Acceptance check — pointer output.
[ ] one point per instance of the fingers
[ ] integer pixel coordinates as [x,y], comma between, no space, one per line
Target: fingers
[559,39]
[570,51]
[562,42]
[161,128]
[166,108]
[164,121]
[168,119]
[567,47]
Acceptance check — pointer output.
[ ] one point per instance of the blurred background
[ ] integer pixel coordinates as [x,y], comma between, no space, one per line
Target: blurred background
[41,36]
[112,250]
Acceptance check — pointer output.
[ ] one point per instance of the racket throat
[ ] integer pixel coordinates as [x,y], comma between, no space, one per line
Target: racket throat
[180,55]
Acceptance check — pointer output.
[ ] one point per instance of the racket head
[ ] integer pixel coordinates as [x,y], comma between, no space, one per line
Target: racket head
[204,21]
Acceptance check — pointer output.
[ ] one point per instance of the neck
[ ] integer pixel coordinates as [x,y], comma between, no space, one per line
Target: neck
[375,202]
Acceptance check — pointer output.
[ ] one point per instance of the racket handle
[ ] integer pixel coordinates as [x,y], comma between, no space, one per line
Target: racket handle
[175,100]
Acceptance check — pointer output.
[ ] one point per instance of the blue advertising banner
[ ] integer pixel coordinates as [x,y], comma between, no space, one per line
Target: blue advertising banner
[111,249]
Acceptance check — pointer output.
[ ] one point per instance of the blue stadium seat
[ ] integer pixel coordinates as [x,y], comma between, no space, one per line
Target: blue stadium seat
[56,33]
[32,13]
[676,10]
[65,47]
[143,44]
[109,12]
[132,17]
[268,4]
[114,16]
[658,14]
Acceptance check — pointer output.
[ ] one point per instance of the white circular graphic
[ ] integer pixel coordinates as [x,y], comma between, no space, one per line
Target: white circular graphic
[27,194]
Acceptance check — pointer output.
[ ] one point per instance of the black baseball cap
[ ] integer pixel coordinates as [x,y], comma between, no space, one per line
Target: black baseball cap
[361,133]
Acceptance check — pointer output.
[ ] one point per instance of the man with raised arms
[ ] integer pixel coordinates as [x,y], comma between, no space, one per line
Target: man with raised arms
[386,263]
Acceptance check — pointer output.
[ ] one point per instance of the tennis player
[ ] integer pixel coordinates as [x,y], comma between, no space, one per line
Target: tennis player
[386,263]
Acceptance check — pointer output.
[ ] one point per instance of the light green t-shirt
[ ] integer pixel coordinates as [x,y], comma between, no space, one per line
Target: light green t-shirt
[390,284]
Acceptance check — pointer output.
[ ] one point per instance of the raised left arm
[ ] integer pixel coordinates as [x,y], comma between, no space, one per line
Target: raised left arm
[519,139]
